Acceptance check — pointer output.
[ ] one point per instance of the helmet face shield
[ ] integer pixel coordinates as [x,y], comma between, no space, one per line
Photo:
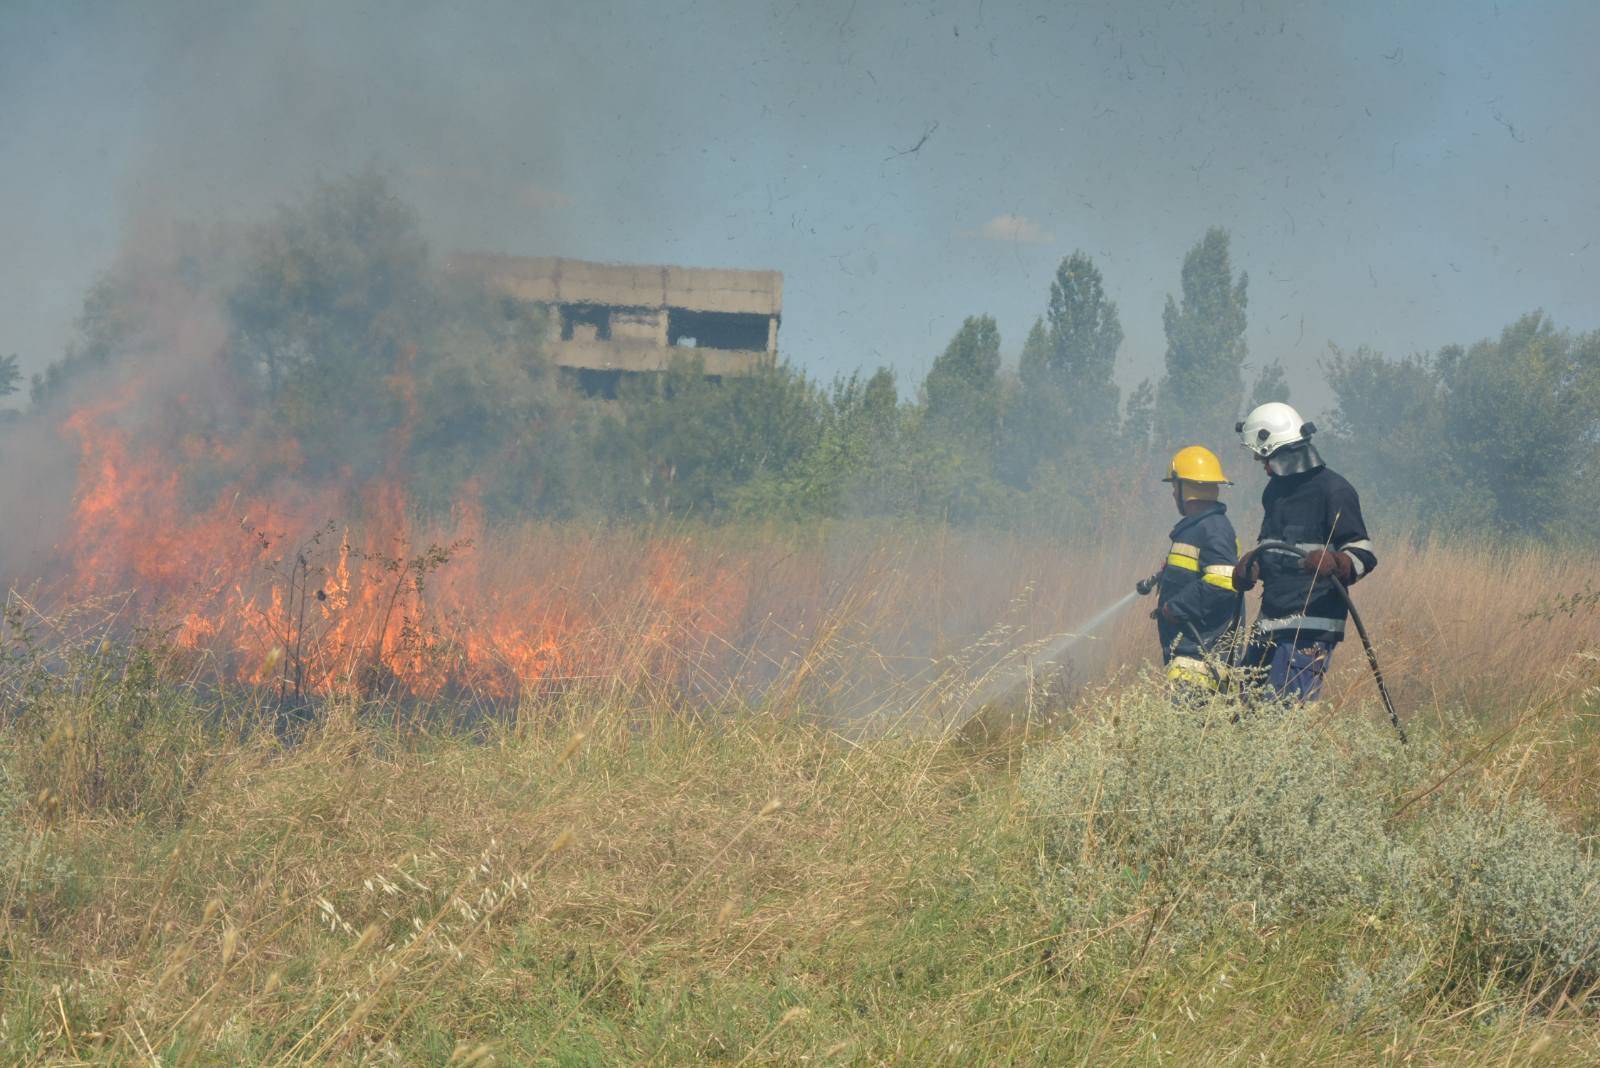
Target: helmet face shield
[1293,460]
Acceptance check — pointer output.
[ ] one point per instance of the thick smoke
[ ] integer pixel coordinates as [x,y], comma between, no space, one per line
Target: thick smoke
[1397,176]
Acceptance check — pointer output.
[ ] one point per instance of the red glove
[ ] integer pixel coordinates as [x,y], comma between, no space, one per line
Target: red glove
[1246,572]
[1168,614]
[1325,562]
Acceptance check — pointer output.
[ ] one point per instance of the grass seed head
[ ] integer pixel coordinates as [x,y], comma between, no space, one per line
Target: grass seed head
[369,937]
[571,747]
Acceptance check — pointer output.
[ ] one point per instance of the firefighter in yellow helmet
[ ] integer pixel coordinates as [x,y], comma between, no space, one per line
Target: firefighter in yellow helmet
[1195,605]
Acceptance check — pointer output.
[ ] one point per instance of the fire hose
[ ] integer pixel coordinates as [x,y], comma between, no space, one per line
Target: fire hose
[1145,586]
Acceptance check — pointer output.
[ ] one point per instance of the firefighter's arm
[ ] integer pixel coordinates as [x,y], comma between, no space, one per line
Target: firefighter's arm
[1352,556]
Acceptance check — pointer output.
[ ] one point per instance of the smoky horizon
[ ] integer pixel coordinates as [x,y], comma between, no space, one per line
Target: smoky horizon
[1400,178]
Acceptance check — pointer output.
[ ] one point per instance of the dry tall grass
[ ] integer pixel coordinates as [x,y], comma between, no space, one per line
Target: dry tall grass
[702,865]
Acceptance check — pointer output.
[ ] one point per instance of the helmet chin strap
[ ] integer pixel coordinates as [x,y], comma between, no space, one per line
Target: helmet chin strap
[1294,460]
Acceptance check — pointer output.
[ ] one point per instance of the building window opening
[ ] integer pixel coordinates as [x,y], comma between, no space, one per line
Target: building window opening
[717,330]
[585,322]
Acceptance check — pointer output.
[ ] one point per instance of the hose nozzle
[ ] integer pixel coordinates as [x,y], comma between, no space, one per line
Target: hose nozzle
[1144,586]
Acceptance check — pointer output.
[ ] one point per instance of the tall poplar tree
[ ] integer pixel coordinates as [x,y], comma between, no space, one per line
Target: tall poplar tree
[1203,389]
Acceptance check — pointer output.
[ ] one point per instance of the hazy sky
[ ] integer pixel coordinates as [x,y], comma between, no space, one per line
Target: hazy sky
[1402,174]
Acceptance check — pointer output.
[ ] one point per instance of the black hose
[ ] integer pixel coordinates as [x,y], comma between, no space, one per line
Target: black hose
[1355,617]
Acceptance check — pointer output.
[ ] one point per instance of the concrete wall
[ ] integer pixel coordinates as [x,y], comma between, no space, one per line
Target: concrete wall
[547,280]
[639,357]
[639,324]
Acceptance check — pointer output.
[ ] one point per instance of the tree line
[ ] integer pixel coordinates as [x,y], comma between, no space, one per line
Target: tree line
[344,338]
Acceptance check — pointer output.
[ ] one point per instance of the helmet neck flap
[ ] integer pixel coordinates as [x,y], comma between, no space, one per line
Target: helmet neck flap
[1294,459]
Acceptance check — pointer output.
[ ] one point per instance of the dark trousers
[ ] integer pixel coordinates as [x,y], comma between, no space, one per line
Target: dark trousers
[1289,669]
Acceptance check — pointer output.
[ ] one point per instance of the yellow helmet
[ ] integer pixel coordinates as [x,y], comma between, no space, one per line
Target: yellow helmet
[1197,465]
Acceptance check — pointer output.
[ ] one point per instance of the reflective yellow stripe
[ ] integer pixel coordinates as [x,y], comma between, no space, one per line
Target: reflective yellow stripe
[1220,575]
[1185,556]
[1188,669]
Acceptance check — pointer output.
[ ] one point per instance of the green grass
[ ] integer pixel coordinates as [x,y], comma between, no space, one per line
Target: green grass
[642,886]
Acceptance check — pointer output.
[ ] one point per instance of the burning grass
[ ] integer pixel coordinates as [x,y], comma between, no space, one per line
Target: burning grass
[853,620]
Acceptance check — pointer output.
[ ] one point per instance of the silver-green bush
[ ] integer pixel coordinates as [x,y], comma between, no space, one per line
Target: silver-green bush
[1285,817]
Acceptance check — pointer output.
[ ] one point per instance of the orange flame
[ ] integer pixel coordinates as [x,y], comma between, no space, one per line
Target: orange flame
[319,589]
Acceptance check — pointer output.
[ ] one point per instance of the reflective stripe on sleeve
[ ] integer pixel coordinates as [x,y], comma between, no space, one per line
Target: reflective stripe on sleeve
[1359,543]
[1184,556]
[1356,565]
[1323,623]
[1220,575]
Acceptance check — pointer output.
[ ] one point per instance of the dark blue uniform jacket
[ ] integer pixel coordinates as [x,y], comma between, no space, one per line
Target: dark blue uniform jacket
[1315,509]
[1197,583]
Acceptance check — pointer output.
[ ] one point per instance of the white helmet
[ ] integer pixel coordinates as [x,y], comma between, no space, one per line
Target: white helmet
[1271,426]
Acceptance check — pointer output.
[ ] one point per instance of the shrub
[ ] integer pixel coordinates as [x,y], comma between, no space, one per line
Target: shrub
[1284,818]
[1522,891]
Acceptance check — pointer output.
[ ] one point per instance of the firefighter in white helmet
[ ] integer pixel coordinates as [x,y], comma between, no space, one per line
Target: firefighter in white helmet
[1313,508]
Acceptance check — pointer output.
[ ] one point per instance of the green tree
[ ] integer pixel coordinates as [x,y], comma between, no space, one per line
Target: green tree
[1138,423]
[1522,420]
[952,438]
[10,376]
[489,411]
[105,328]
[1385,433]
[963,386]
[851,468]
[1271,385]
[1199,397]
[1034,406]
[1066,400]
[328,320]
[1081,356]
[686,444]
[1501,437]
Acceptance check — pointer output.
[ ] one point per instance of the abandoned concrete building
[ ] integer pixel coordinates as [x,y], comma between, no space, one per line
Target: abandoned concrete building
[610,320]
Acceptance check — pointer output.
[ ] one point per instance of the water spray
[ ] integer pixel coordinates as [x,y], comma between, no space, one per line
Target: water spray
[1007,679]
